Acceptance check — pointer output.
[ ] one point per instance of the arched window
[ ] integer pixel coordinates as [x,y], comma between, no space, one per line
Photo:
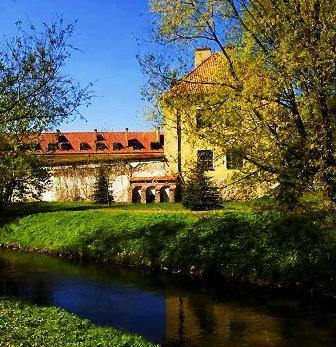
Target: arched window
[164,194]
[136,195]
[150,195]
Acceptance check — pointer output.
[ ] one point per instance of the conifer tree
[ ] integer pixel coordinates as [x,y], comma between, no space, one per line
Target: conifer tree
[199,193]
[101,190]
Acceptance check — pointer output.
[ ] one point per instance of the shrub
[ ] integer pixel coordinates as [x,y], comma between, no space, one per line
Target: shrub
[200,194]
[101,191]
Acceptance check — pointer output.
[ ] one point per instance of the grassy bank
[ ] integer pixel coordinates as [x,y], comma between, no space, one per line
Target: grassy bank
[22,324]
[240,243]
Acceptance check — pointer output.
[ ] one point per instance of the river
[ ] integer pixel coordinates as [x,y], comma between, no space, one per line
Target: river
[166,310]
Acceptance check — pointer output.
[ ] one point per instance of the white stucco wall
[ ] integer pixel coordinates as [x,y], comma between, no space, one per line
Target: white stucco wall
[76,181]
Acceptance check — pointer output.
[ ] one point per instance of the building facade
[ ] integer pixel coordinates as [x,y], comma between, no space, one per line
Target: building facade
[134,161]
[185,145]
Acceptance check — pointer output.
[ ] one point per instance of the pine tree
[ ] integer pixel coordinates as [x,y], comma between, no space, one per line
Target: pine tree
[200,193]
[101,191]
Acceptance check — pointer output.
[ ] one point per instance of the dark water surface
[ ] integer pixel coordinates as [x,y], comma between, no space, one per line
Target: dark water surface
[165,310]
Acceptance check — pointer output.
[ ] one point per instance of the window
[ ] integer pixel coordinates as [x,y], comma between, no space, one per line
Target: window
[31,147]
[84,146]
[117,146]
[234,161]
[52,147]
[100,146]
[205,159]
[155,146]
[199,119]
[136,144]
[66,146]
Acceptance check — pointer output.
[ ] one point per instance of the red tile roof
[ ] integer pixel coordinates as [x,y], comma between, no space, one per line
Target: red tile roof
[100,144]
[200,79]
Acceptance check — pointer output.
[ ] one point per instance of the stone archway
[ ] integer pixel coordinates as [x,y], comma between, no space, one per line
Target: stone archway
[164,194]
[136,194]
[150,195]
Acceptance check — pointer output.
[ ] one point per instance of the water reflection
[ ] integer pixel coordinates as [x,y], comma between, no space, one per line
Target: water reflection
[163,310]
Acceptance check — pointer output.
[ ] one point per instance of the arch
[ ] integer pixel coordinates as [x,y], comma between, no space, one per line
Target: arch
[150,195]
[136,195]
[164,194]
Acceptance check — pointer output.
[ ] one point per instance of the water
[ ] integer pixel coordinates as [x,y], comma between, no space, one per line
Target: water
[165,310]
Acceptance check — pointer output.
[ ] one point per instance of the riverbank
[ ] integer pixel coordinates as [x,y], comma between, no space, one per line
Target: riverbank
[22,324]
[261,247]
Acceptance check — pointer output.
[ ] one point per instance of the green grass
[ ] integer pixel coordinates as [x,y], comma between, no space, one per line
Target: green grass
[245,241]
[22,324]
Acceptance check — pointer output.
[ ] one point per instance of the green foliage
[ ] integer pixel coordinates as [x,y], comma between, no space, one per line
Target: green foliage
[258,98]
[22,177]
[101,191]
[22,324]
[200,194]
[35,95]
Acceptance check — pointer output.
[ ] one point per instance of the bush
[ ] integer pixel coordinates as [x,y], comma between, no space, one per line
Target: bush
[200,194]
[101,190]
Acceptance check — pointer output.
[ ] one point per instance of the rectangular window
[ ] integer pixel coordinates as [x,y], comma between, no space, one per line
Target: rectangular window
[199,119]
[205,159]
[234,161]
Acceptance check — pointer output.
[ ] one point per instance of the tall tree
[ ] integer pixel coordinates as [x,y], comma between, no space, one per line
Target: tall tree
[101,190]
[35,95]
[272,95]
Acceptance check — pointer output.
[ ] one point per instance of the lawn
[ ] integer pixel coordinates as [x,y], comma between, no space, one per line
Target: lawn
[22,324]
[248,241]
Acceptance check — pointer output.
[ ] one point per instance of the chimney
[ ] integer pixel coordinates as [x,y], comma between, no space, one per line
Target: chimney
[126,137]
[201,54]
[157,134]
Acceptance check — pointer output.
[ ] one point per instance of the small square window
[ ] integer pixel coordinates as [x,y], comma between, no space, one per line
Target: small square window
[66,146]
[117,146]
[136,144]
[101,146]
[52,147]
[234,161]
[205,159]
[84,146]
[155,146]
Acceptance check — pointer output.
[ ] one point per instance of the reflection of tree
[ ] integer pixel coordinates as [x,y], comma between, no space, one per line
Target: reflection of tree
[181,318]
[204,314]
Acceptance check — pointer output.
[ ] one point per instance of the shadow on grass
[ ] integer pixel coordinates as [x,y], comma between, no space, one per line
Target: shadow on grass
[20,210]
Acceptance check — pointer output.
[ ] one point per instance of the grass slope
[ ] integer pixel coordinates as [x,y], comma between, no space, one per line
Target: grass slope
[22,324]
[240,242]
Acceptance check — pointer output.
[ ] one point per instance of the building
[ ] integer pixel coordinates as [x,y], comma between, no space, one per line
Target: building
[184,144]
[135,162]
[146,166]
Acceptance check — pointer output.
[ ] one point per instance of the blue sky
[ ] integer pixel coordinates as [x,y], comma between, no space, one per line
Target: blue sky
[106,33]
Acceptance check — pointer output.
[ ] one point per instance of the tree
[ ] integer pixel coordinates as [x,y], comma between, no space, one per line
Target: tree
[35,95]
[272,97]
[101,190]
[199,193]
